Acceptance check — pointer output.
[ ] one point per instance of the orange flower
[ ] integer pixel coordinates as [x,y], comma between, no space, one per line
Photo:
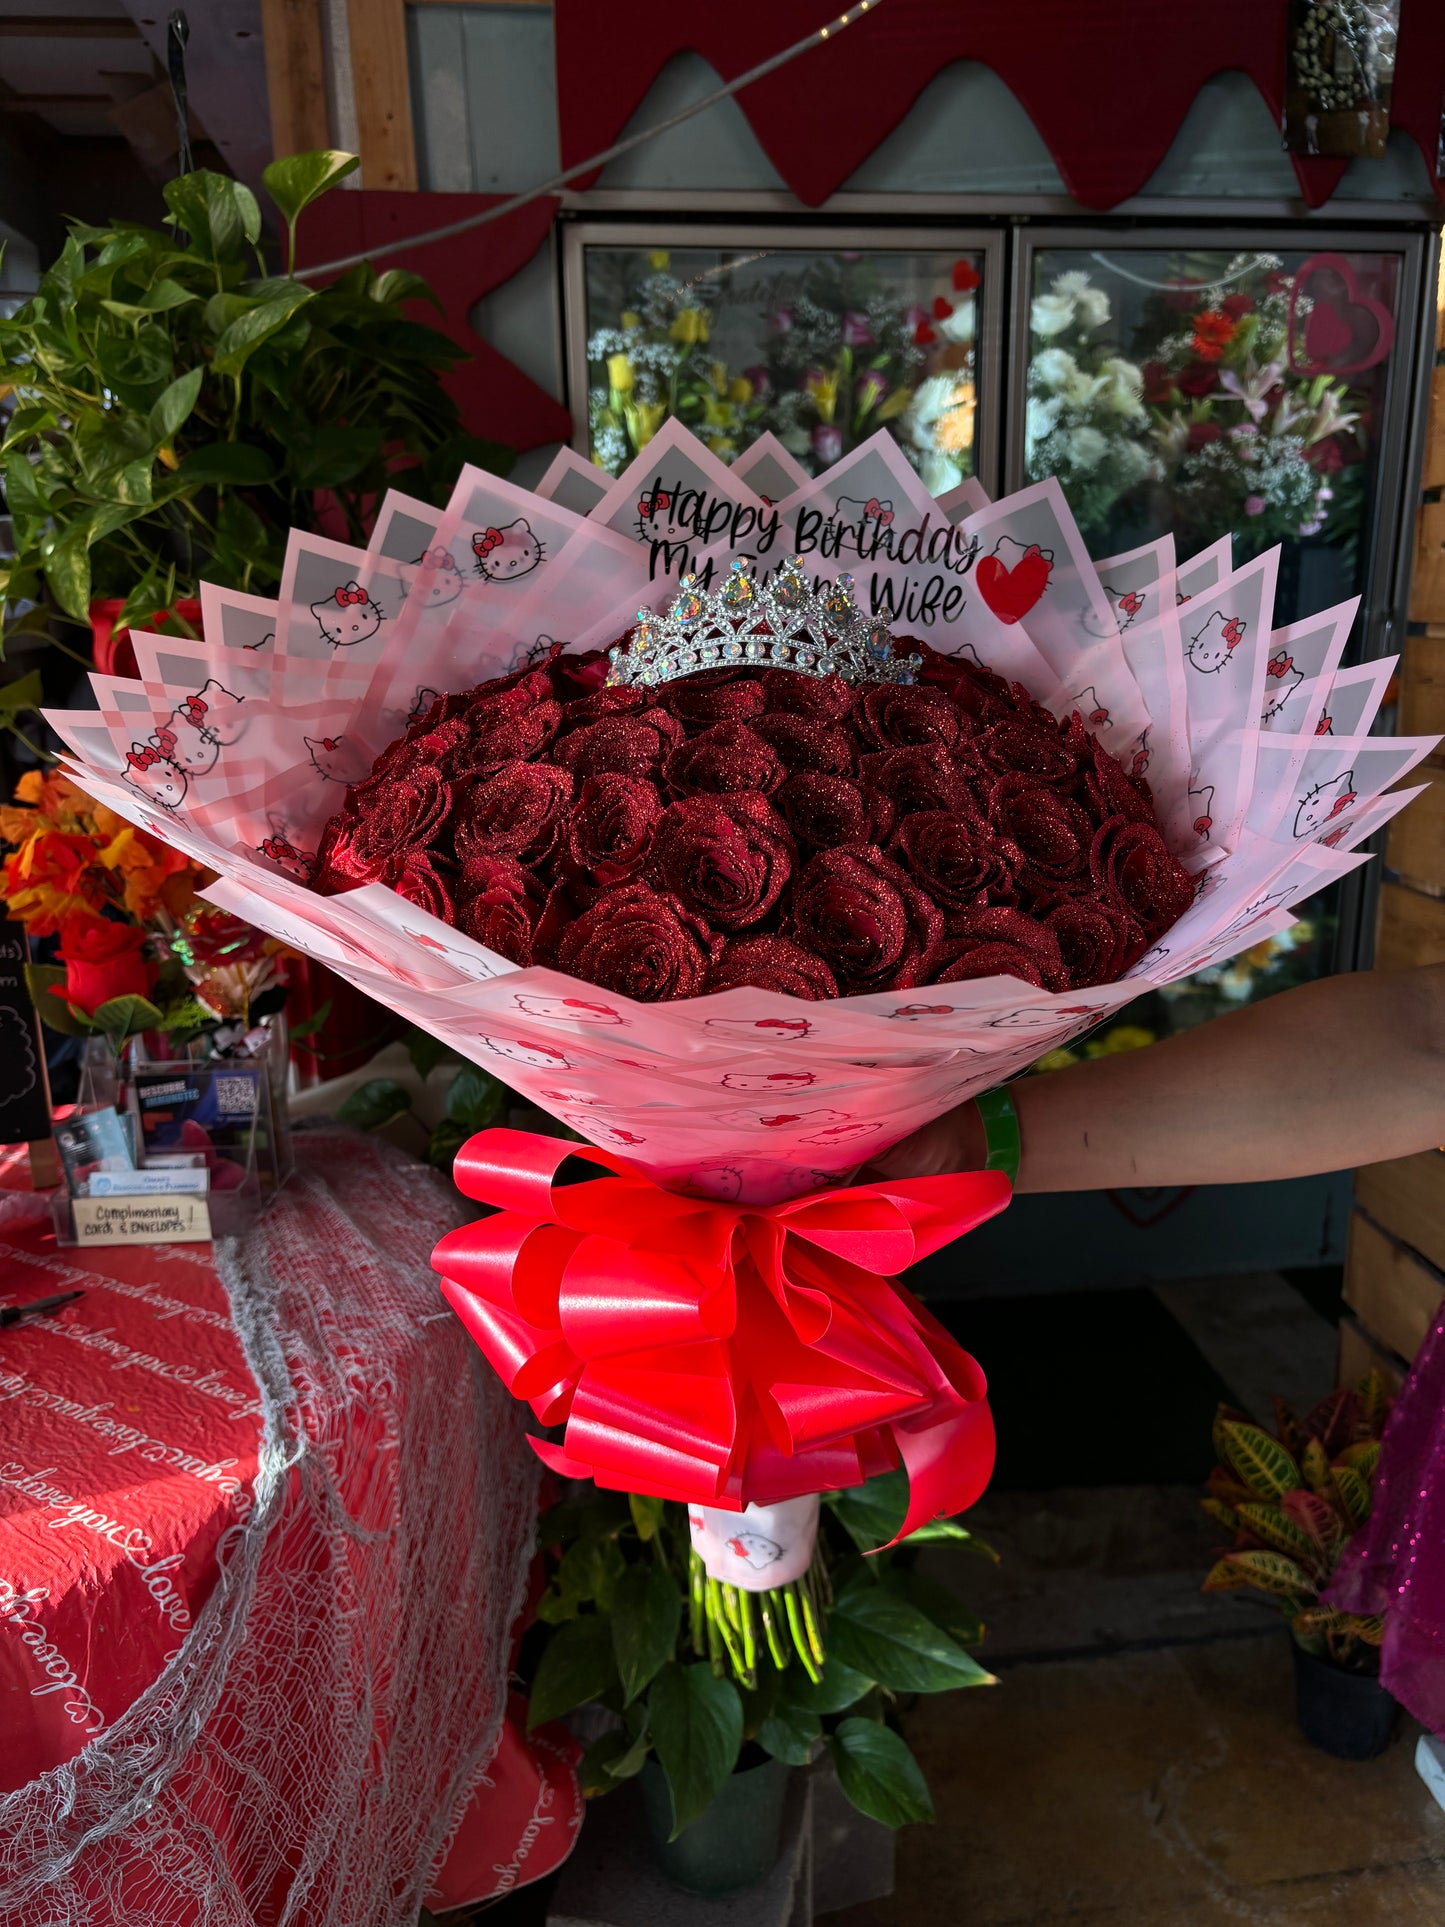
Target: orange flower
[49,878]
[1213,332]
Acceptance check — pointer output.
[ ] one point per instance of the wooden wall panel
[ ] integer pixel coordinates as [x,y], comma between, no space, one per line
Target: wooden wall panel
[295,76]
[1407,1197]
[1395,1296]
[1361,1354]
[1412,928]
[1416,838]
[1427,585]
[1422,685]
[382,88]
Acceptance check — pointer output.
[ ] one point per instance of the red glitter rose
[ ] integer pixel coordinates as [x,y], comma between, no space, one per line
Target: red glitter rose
[898,716]
[611,828]
[715,696]
[727,758]
[1021,746]
[403,814]
[1003,942]
[897,782]
[822,699]
[640,944]
[498,904]
[773,963]
[857,911]
[957,860]
[625,745]
[823,811]
[802,743]
[426,882]
[519,811]
[1097,941]
[725,858]
[1051,832]
[1133,870]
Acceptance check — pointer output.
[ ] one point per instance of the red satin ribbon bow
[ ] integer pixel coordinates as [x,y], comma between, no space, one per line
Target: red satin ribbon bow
[721,1353]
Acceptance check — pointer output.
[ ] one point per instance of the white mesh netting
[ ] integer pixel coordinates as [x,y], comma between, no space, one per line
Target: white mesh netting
[307,1755]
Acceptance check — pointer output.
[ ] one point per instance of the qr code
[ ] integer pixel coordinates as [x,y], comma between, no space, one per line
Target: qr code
[235,1096]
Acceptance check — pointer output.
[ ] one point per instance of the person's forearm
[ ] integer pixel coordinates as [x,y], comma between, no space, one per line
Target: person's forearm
[1347,1071]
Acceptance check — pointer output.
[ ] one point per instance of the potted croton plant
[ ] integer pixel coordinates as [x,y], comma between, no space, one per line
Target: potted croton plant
[714,1692]
[1292,1503]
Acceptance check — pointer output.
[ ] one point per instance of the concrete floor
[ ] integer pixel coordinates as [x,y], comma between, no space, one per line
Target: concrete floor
[1138,1764]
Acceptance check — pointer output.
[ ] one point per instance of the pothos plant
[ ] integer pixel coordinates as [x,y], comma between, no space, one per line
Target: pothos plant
[175,406]
[1292,1503]
[632,1623]
[475,1100]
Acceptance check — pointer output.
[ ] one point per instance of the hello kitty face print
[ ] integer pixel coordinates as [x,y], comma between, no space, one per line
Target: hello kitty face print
[423,700]
[1281,680]
[1211,647]
[1201,801]
[336,760]
[347,616]
[1138,756]
[1320,805]
[1127,606]
[1089,708]
[151,772]
[853,509]
[542,1057]
[1326,724]
[193,734]
[508,552]
[281,851]
[561,1010]
[445,583]
[659,515]
[767,1080]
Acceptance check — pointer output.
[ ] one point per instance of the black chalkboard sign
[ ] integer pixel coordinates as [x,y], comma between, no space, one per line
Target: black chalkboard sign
[24,1099]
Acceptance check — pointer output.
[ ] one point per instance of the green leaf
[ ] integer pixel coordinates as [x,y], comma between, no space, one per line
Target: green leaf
[697,1729]
[374,1103]
[67,570]
[875,1631]
[330,456]
[476,1099]
[295,182]
[611,1759]
[789,1734]
[125,1016]
[1352,1493]
[445,1141]
[646,1610]
[22,488]
[425,1052]
[175,405]
[227,465]
[25,692]
[308,1026]
[159,298]
[45,982]
[219,214]
[647,1515]
[878,1773]
[247,332]
[1277,1530]
[871,1514]
[1271,1572]
[840,1687]
[1260,1461]
[590,1571]
[577,1666]
[935,1602]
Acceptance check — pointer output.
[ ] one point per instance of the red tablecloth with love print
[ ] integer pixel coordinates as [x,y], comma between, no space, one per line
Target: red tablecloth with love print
[264,1532]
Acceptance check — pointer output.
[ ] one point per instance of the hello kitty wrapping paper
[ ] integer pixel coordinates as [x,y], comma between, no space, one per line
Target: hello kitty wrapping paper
[239,754]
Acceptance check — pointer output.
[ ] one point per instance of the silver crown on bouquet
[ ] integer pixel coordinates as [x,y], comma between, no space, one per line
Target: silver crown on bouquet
[782,623]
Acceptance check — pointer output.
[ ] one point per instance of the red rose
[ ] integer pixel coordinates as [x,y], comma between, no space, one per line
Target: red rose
[1133,870]
[727,758]
[1098,942]
[1051,831]
[725,858]
[1109,792]
[578,674]
[857,911]
[977,693]
[773,963]
[613,699]
[338,867]
[520,810]
[1200,435]
[715,696]
[424,881]
[1003,943]
[519,722]
[896,782]
[802,743]
[823,699]
[403,813]
[499,904]
[640,944]
[957,860]
[610,829]
[625,745]
[897,716]
[823,811]
[1197,380]
[102,959]
[1235,305]
[1027,747]
[1158,383]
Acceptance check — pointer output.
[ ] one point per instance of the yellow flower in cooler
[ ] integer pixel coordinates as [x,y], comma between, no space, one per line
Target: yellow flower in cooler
[824,390]
[619,373]
[659,259]
[644,418]
[691,327]
[630,319]
[740,390]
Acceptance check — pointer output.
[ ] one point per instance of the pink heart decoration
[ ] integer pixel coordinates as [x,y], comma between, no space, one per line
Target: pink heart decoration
[1011,593]
[1345,331]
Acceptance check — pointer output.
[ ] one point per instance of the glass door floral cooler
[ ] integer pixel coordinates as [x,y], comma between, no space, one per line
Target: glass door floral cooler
[1232,387]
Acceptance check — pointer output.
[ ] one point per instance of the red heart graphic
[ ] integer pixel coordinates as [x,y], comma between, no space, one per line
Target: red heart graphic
[923,335]
[1011,593]
[965,276]
[1345,331]
[941,309]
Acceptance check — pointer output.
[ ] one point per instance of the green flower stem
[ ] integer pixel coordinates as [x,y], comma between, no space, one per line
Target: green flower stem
[800,1635]
[697,1605]
[768,1609]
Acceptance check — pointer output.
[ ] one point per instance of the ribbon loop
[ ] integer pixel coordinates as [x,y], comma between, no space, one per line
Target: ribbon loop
[722,1353]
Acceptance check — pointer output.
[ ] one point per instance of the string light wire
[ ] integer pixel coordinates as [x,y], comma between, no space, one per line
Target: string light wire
[817,38]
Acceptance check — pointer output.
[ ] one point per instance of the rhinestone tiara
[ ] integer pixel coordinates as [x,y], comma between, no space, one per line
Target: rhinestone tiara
[781,624]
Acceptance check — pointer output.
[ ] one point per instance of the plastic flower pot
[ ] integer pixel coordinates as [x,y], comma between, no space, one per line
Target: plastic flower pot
[1348,1714]
[111,646]
[734,1842]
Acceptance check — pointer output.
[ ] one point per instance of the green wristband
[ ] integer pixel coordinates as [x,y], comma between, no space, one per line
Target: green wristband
[1000,1132]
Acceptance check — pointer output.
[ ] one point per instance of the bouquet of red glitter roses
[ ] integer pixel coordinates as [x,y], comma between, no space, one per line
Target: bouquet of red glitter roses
[870,803]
